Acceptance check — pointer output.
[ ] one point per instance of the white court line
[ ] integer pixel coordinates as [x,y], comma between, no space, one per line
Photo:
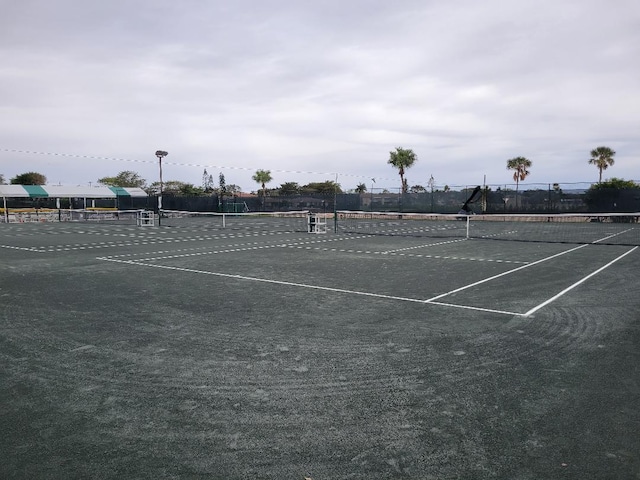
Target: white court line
[392,297]
[478,309]
[568,289]
[613,235]
[506,273]
[303,285]
[25,249]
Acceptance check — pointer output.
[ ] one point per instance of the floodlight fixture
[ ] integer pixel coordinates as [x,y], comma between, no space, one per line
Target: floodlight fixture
[160,154]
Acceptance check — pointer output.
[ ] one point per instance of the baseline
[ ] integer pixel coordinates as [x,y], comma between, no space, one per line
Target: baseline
[303,285]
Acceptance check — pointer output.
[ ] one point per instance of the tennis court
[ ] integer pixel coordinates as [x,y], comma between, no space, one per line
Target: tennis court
[254,349]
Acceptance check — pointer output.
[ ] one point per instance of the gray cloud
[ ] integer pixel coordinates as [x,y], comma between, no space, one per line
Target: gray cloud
[326,87]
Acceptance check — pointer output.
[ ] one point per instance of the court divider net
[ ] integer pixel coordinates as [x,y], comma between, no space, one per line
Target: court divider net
[597,228]
[291,221]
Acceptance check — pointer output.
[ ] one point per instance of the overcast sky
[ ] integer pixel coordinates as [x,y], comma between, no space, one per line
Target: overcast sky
[319,90]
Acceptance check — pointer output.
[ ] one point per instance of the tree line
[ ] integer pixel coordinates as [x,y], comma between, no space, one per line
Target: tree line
[401,159]
[131,179]
[404,158]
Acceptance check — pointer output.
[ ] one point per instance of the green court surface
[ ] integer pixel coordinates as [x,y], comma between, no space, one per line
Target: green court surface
[206,352]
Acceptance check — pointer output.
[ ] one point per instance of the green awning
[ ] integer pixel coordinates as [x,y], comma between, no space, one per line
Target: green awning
[120,192]
[60,191]
[36,191]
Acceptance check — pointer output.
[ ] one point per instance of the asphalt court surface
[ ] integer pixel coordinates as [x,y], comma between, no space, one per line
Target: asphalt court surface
[345,263]
[557,323]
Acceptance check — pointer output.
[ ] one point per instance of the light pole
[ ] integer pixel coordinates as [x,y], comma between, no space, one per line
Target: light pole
[160,154]
[373,180]
[431,183]
[335,206]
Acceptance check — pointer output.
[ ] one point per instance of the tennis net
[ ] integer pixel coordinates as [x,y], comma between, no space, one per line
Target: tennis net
[30,215]
[127,217]
[294,221]
[605,228]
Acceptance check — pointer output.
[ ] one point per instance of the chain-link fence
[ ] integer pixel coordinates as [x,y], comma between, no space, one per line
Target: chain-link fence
[487,200]
[543,198]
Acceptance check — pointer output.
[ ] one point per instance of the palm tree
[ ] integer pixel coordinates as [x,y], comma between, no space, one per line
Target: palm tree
[602,158]
[361,188]
[402,159]
[262,177]
[520,166]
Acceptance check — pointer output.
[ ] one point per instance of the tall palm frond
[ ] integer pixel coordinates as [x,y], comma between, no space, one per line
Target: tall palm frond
[602,158]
